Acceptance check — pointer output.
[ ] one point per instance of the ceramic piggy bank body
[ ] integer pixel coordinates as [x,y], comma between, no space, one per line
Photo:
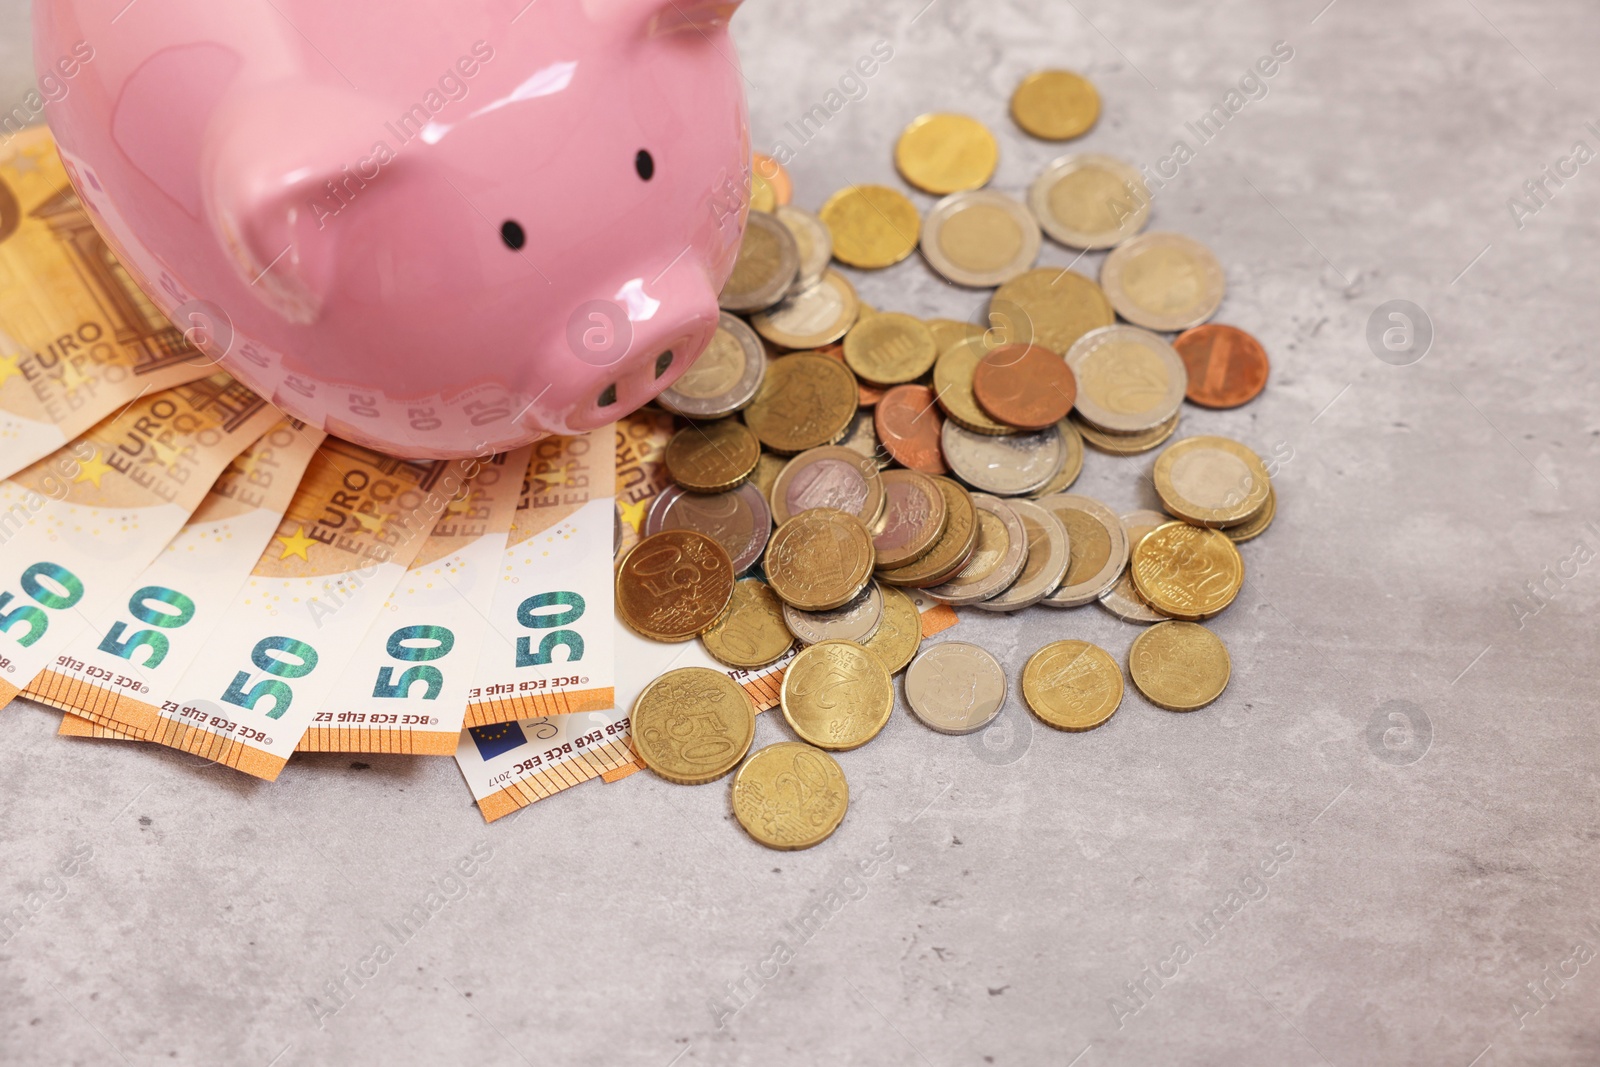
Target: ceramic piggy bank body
[435,227]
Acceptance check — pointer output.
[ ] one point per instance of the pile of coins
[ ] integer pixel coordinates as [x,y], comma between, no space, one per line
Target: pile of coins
[833,455]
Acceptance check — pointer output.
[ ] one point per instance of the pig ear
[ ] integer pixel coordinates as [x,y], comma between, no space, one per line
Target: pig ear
[668,16]
[266,174]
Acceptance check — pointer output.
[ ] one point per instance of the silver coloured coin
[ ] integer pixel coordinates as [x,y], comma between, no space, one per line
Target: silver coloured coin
[955,687]
[1098,549]
[725,378]
[1090,201]
[1191,288]
[1129,380]
[738,520]
[857,621]
[769,261]
[1000,555]
[1012,465]
[1049,552]
[980,238]
[814,241]
[1122,599]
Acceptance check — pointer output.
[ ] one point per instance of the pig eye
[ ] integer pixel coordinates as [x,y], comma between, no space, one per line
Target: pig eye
[645,165]
[511,233]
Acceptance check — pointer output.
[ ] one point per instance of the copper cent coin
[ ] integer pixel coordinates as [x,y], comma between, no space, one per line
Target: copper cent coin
[1227,367]
[908,424]
[1027,386]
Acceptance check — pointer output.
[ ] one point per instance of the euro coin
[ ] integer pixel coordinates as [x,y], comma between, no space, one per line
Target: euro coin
[1227,367]
[1211,481]
[1255,525]
[819,560]
[856,621]
[914,517]
[955,687]
[980,239]
[693,725]
[806,401]
[1187,572]
[674,586]
[1005,466]
[861,437]
[954,547]
[1001,553]
[889,348]
[724,379]
[812,317]
[1179,666]
[1055,105]
[1049,553]
[1122,599]
[952,384]
[738,520]
[947,332]
[945,153]
[1026,386]
[1097,547]
[712,457]
[766,268]
[751,634]
[1071,468]
[1129,380]
[1163,281]
[829,477]
[908,423]
[1050,307]
[872,226]
[899,633]
[836,695]
[790,796]
[773,173]
[1090,202]
[1124,444]
[812,241]
[1072,685]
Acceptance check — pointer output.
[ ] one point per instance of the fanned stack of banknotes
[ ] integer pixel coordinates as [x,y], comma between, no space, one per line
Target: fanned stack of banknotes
[183,565]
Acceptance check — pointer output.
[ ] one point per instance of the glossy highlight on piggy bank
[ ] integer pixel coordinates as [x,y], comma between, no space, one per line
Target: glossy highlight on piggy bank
[432,227]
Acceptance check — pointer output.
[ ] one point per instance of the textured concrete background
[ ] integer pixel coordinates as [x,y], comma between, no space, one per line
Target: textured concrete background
[1019,882]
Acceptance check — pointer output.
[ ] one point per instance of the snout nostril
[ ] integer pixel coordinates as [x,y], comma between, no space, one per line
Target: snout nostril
[608,396]
[663,362]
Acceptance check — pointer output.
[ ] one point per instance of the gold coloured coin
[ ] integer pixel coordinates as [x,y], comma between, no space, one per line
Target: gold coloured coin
[712,457]
[1090,201]
[790,796]
[674,585]
[914,517]
[980,238]
[1049,307]
[1096,544]
[872,226]
[1187,572]
[1129,380]
[889,348]
[693,725]
[763,197]
[899,633]
[751,634]
[1072,685]
[769,261]
[811,317]
[832,476]
[947,332]
[1211,481]
[1055,105]
[812,240]
[1124,444]
[766,474]
[952,385]
[1163,281]
[1179,666]
[1071,468]
[837,695]
[944,153]
[954,547]
[807,400]
[819,560]
[1257,524]
[1000,555]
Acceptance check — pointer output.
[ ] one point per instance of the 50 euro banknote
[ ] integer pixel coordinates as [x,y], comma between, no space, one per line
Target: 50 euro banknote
[77,524]
[273,658]
[116,674]
[78,337]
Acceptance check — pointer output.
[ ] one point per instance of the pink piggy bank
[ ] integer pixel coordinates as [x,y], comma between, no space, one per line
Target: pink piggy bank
[433,227]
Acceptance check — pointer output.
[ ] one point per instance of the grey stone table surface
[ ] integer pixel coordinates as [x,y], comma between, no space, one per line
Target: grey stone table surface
[1378,847]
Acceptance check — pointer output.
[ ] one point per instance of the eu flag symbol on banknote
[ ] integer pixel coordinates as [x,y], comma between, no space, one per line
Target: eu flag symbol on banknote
[495,740]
